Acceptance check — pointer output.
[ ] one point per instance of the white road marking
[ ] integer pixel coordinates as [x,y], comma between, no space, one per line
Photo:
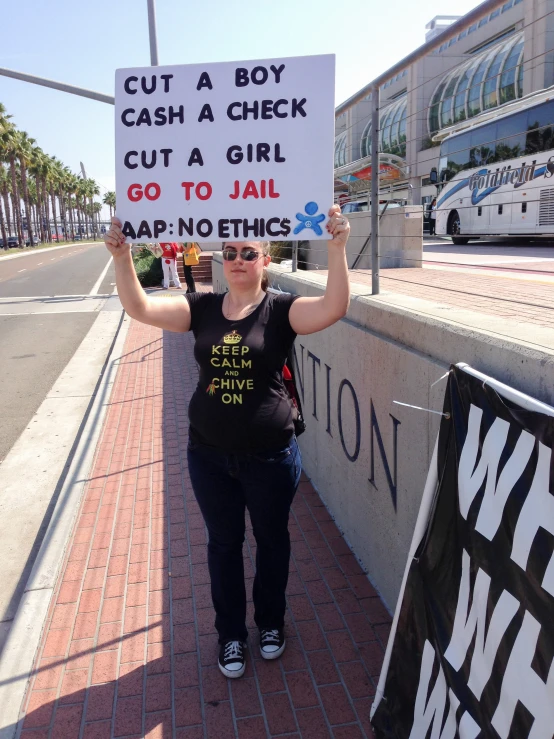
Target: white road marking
[46,298]
[22,270]
[38,265]
[96,287]
[95,309]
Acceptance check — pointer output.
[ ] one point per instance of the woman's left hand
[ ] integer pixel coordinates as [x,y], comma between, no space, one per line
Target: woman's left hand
[338,227]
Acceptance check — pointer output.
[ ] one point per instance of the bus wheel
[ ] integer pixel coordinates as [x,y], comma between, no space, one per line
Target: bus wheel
[454,229]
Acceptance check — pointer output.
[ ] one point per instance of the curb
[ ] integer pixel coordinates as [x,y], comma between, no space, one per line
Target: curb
[25,635]
[48,249]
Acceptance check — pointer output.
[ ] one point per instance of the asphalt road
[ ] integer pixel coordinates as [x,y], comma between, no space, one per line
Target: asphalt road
[40,329]
[70,271]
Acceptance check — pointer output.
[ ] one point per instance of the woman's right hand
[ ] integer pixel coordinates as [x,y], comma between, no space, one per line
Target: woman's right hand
[115,240]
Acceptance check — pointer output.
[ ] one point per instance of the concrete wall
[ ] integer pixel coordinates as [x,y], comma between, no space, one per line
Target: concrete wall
[401,231]
[368,457]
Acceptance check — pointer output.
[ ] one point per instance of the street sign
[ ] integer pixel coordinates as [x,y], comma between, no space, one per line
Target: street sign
[226,151]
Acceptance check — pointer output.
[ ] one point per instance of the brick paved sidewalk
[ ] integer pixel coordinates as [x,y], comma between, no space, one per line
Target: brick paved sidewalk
[129,648]
[517,300]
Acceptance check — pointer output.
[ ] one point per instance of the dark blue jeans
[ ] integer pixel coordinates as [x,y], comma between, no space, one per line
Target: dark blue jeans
[225,485]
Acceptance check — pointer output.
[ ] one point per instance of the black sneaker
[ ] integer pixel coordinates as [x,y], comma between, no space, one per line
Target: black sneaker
[232,660]
[272,643]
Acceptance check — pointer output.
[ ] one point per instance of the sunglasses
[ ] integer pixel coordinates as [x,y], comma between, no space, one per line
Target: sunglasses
[247,255]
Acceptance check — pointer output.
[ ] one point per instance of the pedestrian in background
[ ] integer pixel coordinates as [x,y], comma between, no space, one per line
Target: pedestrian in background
[190,260]
[433,217]
[242,451]
[169,264]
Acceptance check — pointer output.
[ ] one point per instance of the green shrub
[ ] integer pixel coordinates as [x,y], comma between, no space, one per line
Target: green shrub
[148,268]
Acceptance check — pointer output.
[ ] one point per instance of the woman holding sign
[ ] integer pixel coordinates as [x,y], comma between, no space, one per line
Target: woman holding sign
[242,451]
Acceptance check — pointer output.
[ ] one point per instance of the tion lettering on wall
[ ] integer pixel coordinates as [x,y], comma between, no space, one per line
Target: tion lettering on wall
[336,415]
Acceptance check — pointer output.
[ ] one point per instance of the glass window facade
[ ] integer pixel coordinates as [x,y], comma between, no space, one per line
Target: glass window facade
[393,130]
[340,149]
[490,79]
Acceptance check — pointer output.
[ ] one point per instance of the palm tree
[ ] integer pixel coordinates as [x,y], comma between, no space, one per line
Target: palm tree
[56,175]
[45,174]
[80,195]
[32,178]
[72,185]
[3,183]
[4,119]
[10,143]
[25,154]
[36,170]
[92,189]
[109,200]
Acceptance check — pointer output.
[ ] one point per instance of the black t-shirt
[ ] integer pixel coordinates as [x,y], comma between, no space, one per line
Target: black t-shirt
[240,403]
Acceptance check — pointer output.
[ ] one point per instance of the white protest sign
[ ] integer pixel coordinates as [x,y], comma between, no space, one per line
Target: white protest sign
[226,151]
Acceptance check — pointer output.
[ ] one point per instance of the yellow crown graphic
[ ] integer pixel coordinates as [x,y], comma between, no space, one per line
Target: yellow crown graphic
[232,338]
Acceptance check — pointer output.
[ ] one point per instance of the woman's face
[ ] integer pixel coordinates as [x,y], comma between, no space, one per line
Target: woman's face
[245,270]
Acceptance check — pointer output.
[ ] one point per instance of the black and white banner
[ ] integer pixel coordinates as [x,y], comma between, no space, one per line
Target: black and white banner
[471,653]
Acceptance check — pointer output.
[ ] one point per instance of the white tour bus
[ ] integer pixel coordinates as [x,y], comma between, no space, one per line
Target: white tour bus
[495,171]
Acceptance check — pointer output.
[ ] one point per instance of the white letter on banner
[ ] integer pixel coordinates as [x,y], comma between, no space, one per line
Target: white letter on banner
[470,477]
[537,512]
[465,625]
[433,712]
[521,683]
[494,500]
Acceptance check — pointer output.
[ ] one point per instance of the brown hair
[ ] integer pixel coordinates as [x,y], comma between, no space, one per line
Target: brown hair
[264,245]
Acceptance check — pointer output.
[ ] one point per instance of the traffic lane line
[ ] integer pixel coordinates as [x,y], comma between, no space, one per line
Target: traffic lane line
[100,280]
[31,266]
[10,257]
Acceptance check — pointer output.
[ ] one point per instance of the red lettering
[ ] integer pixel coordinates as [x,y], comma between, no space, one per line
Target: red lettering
[208,191]
[188,186]
[250,190]
[272,193]
[134,193]
[152,191]
[203,190]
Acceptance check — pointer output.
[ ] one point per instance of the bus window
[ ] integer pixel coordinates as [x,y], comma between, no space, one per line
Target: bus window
[483,145]
[457,161]
[510,148]
[454,157]
[483,135]
[540,116]
[538,140]
[540,121]
[511,125]
[511,136]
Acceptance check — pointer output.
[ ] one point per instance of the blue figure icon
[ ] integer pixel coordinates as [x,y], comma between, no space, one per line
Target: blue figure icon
[310,220]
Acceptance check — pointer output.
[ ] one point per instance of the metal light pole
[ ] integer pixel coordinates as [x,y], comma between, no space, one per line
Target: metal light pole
[152,32]
[375,191]
[62,86]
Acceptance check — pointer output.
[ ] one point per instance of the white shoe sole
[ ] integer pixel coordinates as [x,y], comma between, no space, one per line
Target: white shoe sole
[232,673]
[273,655]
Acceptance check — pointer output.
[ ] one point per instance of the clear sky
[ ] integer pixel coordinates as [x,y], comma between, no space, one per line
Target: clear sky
[83,42]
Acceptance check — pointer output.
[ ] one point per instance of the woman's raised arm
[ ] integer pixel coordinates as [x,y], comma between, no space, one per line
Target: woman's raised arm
[171,315]
[308,315]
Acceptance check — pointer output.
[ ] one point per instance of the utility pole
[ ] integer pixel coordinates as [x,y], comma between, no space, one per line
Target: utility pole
[294,256]
[152,33]
[375,190]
